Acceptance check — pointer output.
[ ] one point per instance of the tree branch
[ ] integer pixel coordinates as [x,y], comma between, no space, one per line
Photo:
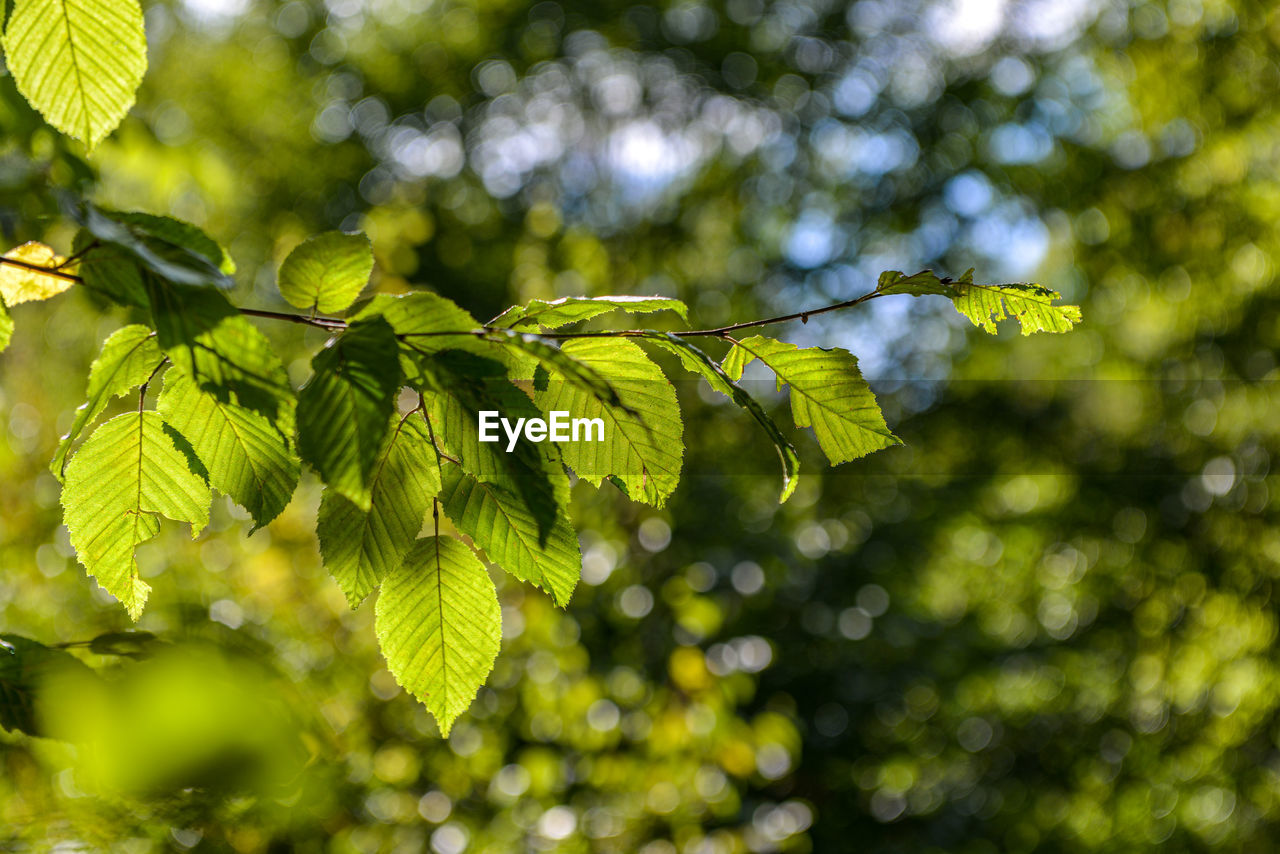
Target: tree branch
[306,320]
[338,324]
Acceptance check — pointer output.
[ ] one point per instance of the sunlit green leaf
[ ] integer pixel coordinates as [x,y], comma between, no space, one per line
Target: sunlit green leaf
[418,319]
[128,357]
[440,626]
[643,435]
[327,272]
[78,63]
[498,519]
[1032,306]
[127,472]
[344,409]
[828,394]
[245,455]
[461,385]
[360,547]
[225,354]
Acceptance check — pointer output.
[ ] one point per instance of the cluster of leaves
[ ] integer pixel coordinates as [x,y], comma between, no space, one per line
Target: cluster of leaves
[227,419]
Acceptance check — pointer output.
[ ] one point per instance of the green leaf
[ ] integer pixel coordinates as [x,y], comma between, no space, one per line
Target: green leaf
[554,359]
[177,240]
[458,387]
[178,252]
[327,272]
[986,305]
[421,313]
[919,284]
[246,456]
[360,547]
[417,319]
[28,670]
[344,410]
[552,314]
[129,356]
[78,63]
[111,272]
[440,626]
[698,362]
[828,394]
[225,354]
[643,436]
[1032,306]
[128,471]
[497,518]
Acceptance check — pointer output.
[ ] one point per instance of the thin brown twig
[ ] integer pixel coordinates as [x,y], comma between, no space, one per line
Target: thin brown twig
[322,322]
[337,323]
[40,268]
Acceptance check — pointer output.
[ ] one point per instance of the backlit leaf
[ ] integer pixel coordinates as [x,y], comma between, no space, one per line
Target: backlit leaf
[127,472]
[129,356]
[1032,305]
[440,626]
[344,410]
[79,63]
[218,348]
[327,272]
[643,436]
[497,518]
[461,385]
[19,284]
[245,455]
[360,547]
[828,394]
[417,319]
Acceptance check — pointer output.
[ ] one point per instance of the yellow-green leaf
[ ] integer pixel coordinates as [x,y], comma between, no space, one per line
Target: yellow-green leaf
[1032,305]
[440,626]
[327,272]
[129,356]
[20,284]
[78,62]
[643,444]
[128,471]
[245,455]
[828,394]
[360,547]
[499,520]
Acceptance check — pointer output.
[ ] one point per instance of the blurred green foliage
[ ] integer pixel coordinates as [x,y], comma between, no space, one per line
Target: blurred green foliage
[1046,623]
